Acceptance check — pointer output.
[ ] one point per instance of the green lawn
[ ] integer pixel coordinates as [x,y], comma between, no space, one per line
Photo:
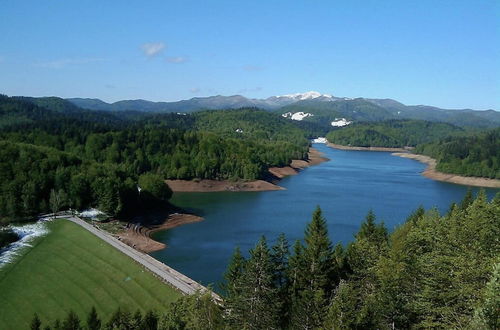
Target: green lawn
[72,269]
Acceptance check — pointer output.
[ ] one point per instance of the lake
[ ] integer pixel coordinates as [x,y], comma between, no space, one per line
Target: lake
[346,188]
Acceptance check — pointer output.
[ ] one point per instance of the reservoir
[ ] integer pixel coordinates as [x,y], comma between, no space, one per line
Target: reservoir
[346,188]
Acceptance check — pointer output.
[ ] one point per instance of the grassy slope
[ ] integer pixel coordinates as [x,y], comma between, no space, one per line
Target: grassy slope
[72,269]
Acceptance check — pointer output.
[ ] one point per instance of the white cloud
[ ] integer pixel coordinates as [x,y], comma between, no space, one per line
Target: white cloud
[62,63]
[195,90]
[152,49]
[177,59]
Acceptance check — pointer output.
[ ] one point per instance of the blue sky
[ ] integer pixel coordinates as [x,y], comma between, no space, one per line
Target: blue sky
[442,53]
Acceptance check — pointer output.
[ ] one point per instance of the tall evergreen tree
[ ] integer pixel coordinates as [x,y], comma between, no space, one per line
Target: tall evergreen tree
[35,322]
[93,321]
[280,254]
[259,299]
[315,268]
[467,200]
[71,322]
[233,287]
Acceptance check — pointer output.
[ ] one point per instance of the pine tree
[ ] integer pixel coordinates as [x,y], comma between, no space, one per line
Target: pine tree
[71,322]
[294,271]
[149,321]
[467,200]
[93,321]
[234,273]
[259,300]
[280,254]
[317,253]
[35,323]
[313,279]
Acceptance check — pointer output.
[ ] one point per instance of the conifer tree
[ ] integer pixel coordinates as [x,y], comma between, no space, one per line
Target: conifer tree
[467,200]
[93,321]
[259,300]
[314,269]
[234,273]
[35,323]
[71,322]
[280,254]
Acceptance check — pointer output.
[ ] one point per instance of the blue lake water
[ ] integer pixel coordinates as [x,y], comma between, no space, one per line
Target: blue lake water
[346,188]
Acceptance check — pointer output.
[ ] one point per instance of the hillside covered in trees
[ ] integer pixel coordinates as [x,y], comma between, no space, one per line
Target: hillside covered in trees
[473,155]
[82,154]
[392,133]
[434,271]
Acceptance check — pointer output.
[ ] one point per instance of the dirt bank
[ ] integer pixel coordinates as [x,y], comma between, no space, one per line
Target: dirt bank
[341,147]
[139,237]
[431,173]
[276,173]
[215,185]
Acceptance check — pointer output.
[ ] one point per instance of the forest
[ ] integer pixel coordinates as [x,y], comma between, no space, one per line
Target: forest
[91,159]
[392,133]
[434,271]
[457,151]
[473,155]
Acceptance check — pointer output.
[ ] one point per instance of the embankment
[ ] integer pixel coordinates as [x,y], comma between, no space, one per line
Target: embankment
[275,173]
[139,237]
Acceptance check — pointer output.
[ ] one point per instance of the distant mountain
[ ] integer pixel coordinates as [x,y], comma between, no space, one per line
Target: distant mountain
[194,104]
[311,106]
[201,103]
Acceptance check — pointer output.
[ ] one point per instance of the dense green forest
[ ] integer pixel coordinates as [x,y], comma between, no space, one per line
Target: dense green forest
[96,159]
[473,155]
[392,133]
[434,271]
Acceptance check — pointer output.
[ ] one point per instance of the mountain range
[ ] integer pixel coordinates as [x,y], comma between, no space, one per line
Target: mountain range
[314,106]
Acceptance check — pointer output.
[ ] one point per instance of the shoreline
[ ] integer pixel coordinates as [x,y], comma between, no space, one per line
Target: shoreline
[431,173]
[138,236]
[386,149]
[275,174]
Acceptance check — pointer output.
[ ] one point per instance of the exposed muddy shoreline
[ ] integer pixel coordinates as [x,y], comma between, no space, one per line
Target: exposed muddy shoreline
[431,173]
[139,237]
[276,173]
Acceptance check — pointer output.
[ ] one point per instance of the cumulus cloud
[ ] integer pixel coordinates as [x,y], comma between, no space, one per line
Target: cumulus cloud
[64,62]
[177,59]
[195,90]
[152,49]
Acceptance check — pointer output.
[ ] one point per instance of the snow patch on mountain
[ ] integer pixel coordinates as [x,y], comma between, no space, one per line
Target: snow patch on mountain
[297,115]
[319,140]
[306,96]
[339,122]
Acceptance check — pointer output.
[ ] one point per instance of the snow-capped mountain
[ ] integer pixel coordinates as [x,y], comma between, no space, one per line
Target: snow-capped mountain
[306,96]
[200,103]
[309,106]
[287,99]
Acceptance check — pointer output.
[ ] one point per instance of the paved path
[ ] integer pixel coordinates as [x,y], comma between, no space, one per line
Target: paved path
[166,273]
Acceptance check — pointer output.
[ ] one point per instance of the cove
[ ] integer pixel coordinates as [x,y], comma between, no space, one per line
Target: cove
[346,188]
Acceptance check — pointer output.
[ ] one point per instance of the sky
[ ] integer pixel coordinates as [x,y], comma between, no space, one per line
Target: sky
[441,53]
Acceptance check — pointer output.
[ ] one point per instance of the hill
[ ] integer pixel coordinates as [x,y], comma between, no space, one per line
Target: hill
[392,133]
[325,108]
[472,155]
